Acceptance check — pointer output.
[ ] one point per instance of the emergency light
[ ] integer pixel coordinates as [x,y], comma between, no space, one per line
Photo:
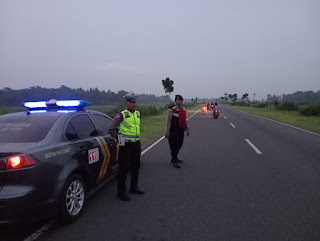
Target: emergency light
[69,103]
[35,104]
[54,104]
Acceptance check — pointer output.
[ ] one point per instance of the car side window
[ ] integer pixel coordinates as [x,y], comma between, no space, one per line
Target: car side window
[82,126]
[71,133]
[104,122]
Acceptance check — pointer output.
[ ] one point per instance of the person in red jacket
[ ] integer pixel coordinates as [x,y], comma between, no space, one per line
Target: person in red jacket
[176,125]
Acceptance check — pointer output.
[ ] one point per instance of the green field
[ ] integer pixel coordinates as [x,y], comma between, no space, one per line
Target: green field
[6,110]
[294,118]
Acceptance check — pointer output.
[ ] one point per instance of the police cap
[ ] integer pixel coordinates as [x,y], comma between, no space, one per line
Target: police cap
[130,97]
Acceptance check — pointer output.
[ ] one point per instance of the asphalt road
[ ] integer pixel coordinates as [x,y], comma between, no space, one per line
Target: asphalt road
[242,178]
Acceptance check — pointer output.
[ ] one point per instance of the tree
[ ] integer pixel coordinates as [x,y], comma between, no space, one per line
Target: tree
[168,85]
[234,97]
[244,96]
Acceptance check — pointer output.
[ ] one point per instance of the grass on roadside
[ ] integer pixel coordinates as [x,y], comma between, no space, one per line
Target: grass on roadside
[10,109]
[294,118]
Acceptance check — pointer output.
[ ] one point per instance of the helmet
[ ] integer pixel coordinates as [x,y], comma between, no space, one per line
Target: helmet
[130,97]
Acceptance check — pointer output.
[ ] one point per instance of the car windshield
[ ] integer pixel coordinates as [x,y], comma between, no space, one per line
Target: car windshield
[25,128]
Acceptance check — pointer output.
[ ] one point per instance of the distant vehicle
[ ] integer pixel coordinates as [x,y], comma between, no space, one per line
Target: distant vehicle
[204,109]
[215,113]
[50,157]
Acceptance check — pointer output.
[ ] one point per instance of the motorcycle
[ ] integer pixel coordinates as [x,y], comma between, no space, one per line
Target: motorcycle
[215,113]
[204,110]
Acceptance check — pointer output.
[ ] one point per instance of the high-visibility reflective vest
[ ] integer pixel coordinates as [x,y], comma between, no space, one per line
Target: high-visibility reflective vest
[130,126]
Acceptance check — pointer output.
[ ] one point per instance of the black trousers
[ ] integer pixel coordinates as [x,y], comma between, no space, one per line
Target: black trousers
[175,141]
[129,160]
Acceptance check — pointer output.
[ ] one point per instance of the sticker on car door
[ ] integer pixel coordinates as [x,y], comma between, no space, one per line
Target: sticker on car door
[93,155]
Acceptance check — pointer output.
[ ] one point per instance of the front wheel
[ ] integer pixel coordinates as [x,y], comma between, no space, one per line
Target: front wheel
[72,199]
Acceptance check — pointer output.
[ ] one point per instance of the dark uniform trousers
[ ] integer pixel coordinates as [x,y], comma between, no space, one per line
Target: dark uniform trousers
[175,141]
[129,160]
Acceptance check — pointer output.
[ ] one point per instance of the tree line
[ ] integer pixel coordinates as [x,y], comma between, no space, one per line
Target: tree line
[299,97]
[10,97]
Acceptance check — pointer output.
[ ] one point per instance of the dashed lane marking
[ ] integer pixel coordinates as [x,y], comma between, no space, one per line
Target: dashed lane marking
[39,232]
[253,146]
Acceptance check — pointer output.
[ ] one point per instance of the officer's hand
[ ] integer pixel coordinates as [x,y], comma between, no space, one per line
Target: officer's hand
[167,134]
[188,133]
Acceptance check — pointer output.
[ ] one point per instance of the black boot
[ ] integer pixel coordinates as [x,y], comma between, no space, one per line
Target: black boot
[136,190]
[175,164]
[123,197]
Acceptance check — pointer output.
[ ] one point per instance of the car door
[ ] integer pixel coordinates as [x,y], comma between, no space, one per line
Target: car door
[104,123]
[89,148]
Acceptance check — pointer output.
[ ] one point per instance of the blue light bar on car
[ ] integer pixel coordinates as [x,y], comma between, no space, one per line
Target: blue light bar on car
[68,103]
[35,104]
[56,104]
[71,103]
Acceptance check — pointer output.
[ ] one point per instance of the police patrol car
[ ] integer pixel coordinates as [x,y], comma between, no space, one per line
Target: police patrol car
[50,157]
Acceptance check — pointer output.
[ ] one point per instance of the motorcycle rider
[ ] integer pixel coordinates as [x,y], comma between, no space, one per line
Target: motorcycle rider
[216,110]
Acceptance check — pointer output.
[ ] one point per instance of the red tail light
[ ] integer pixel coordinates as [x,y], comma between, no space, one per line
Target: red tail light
[16,162]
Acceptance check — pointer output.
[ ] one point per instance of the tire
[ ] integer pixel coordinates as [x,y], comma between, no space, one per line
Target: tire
[72,199]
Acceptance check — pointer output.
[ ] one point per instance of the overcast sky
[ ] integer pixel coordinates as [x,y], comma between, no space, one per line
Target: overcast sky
[207,47]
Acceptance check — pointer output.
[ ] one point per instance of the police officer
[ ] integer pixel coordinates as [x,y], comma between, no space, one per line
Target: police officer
[126,128]
[176,125]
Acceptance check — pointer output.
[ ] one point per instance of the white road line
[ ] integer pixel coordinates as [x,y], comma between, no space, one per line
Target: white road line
[39,232]
[225,117]
[194,114]
[142,153]
[253,147]
[232,125]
